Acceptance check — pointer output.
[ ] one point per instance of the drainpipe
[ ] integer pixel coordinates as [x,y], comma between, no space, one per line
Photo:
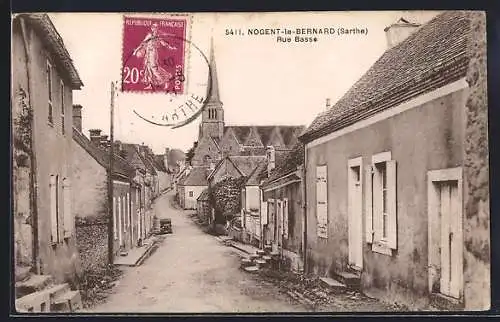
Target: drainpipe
[304,208]
[33,172]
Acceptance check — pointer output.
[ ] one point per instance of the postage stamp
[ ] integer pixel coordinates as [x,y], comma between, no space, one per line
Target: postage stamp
[154,56]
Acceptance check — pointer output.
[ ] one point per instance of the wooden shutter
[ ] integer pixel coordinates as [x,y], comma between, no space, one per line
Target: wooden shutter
[115,219]
[368,206]
[322,201]
[263,213]
[285,217]
[392,204]
[53,208]
[377,203]
[68,216]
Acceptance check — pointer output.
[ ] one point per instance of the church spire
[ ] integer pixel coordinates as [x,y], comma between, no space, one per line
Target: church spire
[214,95]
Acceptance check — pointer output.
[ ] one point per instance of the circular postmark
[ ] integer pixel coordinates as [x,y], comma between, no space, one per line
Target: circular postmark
[167,76]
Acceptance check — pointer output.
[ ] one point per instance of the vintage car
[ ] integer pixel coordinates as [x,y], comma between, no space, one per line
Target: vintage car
[165,226]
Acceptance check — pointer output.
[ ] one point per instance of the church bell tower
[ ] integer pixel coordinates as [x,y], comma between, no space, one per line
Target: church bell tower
[212,122]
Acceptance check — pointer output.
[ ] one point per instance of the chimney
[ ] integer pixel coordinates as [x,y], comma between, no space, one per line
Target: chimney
[95,136]
[77,117]
[328,104]
[399,31]
[271,159]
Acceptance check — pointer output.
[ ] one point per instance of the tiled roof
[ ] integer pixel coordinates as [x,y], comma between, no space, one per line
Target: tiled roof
[132,155]
[160,163]
[197,177]
[289,133]
[46,30]
[247,164]
[288,163]
[120,165]
[257,175]
[433,56]
[204,195]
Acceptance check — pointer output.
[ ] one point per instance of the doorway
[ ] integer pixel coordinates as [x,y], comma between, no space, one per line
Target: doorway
[446,232]
[354,214]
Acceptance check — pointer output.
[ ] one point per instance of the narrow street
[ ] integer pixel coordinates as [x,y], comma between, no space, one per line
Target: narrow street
[192,272]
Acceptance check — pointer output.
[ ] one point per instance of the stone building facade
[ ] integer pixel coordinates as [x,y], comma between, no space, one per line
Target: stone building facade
[43,80]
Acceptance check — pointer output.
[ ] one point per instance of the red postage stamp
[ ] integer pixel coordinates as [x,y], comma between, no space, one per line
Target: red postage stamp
[153,55]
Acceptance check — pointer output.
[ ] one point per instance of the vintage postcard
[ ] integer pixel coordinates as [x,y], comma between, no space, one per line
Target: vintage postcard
[250,162]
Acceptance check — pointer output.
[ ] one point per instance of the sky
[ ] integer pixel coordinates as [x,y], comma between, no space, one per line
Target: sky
[261,81]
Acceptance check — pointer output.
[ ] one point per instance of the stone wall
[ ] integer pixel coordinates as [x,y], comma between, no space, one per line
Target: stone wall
[92,242]
[477,217]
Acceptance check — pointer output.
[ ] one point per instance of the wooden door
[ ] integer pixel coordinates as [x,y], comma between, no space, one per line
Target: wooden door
[451,245]
[355,224]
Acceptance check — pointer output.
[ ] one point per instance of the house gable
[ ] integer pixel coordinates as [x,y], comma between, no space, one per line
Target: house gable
[229,143]
[226,168]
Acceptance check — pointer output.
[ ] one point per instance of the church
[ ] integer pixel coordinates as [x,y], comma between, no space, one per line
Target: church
[217,140]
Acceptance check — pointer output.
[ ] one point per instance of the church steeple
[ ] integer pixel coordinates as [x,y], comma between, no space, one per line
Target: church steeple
[214,95]
[212,123]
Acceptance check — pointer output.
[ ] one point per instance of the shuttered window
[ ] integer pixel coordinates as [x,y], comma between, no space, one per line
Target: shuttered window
[381,198]
[322,201]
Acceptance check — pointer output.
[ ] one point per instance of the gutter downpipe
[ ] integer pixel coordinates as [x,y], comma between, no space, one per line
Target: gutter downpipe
[33,172]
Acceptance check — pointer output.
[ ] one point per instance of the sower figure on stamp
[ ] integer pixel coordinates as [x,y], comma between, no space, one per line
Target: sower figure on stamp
[153,74]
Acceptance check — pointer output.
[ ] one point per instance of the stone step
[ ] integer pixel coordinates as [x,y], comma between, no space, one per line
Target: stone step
[32,284]
[69,301]
[246,262]
[445,303]
[266,257]
[254,256]
[252,269]
[36,302]
[22,273]
[351,280]
[41,300]
[260,252]
[261,262]
[332,284]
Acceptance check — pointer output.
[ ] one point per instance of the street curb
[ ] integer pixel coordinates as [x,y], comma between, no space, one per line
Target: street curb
[146,254]
[238,248]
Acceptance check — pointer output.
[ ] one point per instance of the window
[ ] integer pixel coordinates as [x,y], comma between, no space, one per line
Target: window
[190,193]
[322,201]
[49,92]
[63,129]
[381,207]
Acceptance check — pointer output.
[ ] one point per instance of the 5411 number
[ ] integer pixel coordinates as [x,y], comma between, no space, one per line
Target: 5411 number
[234,32]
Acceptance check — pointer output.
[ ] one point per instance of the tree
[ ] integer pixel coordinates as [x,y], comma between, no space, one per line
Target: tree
[225,198]
[190,152]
